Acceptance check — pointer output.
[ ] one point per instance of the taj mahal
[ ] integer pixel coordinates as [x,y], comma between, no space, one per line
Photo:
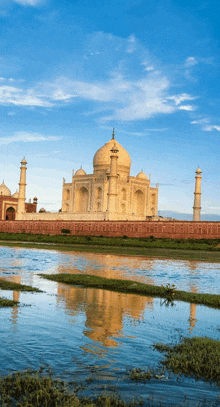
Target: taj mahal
[110,193]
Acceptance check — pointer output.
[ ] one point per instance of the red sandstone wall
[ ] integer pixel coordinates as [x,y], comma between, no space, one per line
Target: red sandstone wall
[171,229]
[30,207]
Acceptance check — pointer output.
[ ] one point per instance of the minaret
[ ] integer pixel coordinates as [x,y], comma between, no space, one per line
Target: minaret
[197,196]
[22,185]
[113,178]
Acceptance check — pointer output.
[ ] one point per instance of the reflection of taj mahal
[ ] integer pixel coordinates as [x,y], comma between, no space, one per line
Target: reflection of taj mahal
[110,192]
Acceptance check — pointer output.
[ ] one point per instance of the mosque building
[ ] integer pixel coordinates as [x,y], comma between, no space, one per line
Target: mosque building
[9,204]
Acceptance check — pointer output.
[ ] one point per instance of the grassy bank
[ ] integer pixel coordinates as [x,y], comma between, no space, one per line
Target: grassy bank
[154,252]
[42,389]
[145,242]
[197,357]
[4,302]
[169,293]
[8,285]
[32,388]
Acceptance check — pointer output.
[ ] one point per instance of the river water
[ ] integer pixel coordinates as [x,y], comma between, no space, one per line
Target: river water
[98,335]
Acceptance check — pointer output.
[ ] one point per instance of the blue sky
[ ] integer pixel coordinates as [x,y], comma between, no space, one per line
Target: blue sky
[73,70]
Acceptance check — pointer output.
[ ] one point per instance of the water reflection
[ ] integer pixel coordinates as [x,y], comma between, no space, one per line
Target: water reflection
[104,310]
[79,330]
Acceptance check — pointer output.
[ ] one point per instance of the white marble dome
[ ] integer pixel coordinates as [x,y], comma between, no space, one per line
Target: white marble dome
[141,175]
[102,158]
[80,172]
[15,195]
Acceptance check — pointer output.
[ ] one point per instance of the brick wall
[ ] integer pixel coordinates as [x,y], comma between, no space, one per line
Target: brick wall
[171,229]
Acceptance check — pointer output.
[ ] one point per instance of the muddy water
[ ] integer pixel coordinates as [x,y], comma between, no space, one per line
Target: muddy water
[89,333]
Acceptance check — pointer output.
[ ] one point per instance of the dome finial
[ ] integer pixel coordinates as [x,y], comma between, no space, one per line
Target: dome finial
[113,134]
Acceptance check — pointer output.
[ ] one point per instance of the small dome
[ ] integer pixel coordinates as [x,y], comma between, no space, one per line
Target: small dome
[15,195]
[42,210]
[141,175]
[80,172]
[35,198]
[102,158]
[198,171]
[23,162]
[4,190]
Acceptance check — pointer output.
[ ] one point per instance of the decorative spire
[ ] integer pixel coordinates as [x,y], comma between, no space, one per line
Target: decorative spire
[113,134]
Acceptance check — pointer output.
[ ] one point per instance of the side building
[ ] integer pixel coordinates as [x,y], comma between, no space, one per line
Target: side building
[9,204]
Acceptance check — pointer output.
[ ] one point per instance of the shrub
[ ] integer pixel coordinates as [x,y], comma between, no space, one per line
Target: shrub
[65,231]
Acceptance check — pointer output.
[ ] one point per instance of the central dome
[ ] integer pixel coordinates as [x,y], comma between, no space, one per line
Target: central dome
[102,160]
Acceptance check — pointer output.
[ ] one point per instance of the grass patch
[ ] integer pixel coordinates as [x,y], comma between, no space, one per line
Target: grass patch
[140,375]
[169,293]
[41,389]
[4,302]
[7,285]
[197,357]
[124,241]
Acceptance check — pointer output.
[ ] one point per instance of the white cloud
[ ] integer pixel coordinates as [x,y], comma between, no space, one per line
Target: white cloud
[132,87]
[191,61]
[187,107]
[200,121]
[149,68]
[205,125]
[181,98]
[131,44]
[19,97]
[28,2]
[164,129]
[127,99]
[26,137]
[210,128]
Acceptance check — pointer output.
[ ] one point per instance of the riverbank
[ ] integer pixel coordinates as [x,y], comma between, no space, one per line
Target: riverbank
[181,251]
[39,388]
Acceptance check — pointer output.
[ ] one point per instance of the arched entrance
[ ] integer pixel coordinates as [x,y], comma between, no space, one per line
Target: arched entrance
[139,203]
[82,200]
[10,213]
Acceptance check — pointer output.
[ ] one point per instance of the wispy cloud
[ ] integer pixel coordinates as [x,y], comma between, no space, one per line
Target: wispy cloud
[131,88]
[191,61]
[181,98]
[187,107]
[26,137]
[204,123]
[28,2]
[163,129]
[10,95]
[211,127]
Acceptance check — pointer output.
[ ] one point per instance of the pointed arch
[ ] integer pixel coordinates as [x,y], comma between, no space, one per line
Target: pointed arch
[10,213]
[66,194]
[123,194]
[138,206]
[82,200]
[98,193]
